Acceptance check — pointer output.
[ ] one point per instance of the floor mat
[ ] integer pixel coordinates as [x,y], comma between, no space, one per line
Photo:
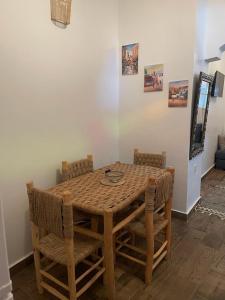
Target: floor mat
[213,194]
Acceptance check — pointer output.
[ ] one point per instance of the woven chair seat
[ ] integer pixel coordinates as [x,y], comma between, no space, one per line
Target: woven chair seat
[54,248]
[138,227]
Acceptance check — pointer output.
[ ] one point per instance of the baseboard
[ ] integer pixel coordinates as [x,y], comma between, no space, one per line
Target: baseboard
[190,211]
[5,290]
[208,171]
[21,264]
[185,216]
[9,297]
[179,215]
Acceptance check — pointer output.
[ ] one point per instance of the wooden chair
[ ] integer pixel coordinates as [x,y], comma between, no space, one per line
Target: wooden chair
[152,160]
[148,159]
[148,227]
[77,168]
[58,246]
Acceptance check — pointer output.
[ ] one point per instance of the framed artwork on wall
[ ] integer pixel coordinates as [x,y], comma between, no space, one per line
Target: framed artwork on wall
[153,78]
[130,59]
[178,93]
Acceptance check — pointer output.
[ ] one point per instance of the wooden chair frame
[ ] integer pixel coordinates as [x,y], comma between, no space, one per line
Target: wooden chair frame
[152,259]
[64,172]
[43,272]
[110,231]
[108,237]
[163,157]
[66,165]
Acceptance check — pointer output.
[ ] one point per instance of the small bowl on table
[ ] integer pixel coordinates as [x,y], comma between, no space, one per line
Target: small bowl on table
[114,176]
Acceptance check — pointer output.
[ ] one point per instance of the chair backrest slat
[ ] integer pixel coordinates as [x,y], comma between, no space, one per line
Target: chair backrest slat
[159,191]
[77,168]
[49,212]
[148,159]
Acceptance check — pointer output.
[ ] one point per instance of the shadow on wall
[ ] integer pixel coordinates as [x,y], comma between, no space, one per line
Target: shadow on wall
[59,25]
[221,50]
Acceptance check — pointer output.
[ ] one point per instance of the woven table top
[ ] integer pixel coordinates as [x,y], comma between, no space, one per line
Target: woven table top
[93,197]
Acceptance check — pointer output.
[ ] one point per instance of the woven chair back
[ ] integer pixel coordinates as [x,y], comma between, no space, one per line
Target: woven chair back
[148,159]
[49,212]
[161,192]
[77,168]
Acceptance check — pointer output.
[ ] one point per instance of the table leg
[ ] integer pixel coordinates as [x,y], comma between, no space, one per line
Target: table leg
[168,228]
[150,246]
[109,255]
[94,226]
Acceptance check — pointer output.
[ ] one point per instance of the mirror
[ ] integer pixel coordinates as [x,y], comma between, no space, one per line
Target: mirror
[200,113]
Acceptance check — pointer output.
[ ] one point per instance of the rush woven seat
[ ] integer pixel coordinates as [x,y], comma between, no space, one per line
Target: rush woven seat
[138,227]
[149,159]
[54,248]
[149,225]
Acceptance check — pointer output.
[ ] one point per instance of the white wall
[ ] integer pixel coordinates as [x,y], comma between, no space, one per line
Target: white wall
[59,99]
[199,165]
[59,95]
[215,34]
[5,282]
[194,165]
[216,120]
[201,31]
[209,37]
[165,31]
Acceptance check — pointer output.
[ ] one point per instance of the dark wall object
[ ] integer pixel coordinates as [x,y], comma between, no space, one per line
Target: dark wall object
[199,114]
[218,85]
[220,159]
[220,153]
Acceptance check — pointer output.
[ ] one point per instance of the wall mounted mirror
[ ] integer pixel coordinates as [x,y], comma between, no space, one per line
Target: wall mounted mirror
[199,114]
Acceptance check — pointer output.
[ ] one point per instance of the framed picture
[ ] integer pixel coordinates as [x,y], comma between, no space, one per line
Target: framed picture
[153,78]
[130,59]
[178,93]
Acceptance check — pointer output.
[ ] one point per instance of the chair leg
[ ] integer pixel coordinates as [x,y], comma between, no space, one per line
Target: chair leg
[94,226]
[149,224]
[114,248]
[37,259]
[109,255]
[71,282]
[168,228]
[104,265]
[71,269]
[37,263]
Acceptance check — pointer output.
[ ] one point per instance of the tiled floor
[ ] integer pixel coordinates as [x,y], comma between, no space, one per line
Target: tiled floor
[213,190]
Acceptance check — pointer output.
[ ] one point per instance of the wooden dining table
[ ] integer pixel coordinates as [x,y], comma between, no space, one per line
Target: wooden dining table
[91,196]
